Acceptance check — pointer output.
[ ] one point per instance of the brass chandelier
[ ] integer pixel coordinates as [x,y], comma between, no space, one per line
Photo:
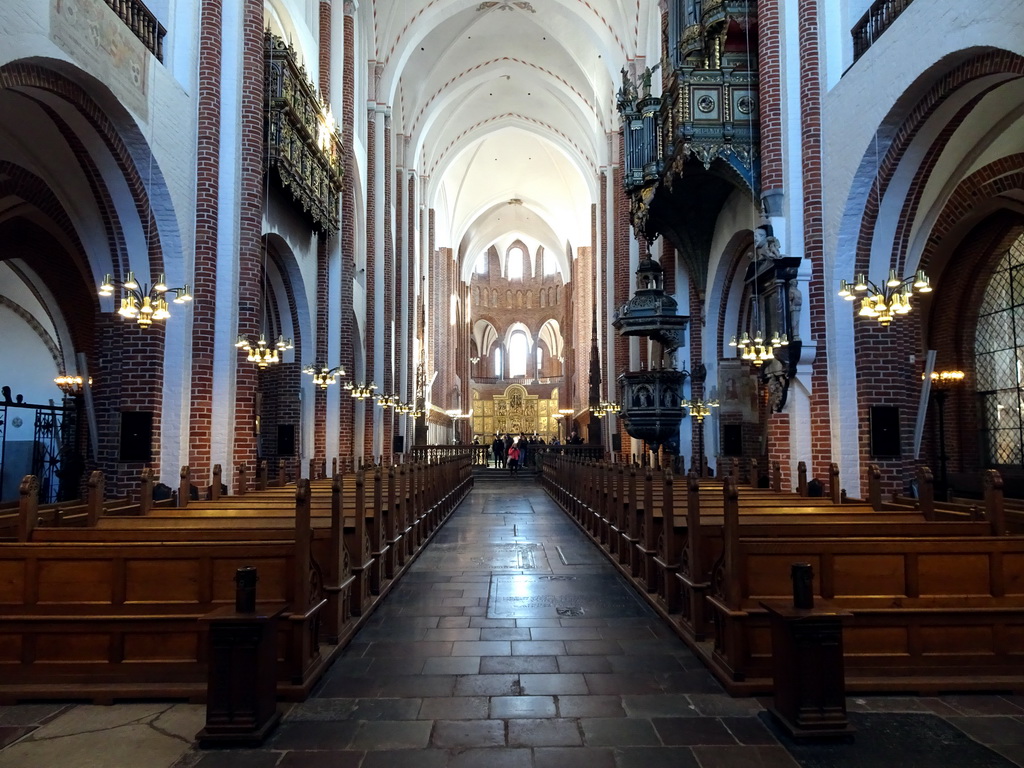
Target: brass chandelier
[888,300]
[756,350]
[144,303]
[699,408]
[261,351]
[323,376]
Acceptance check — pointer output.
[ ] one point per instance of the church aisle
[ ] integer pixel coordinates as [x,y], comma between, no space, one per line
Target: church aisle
[512,642]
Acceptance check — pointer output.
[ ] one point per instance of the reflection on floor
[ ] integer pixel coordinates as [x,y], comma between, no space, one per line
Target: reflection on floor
[511,642]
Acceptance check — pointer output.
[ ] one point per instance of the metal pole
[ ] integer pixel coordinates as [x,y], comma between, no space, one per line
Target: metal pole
[940,399]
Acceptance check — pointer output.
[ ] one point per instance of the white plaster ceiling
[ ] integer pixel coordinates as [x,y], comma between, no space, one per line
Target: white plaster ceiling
[507,109]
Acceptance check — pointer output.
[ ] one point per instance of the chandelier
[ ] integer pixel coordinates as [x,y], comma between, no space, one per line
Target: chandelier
[408,409]
[71,386]
[388,401]
[699,408]
[755,349]
[142,303]
[889,299]
[605,408]
[262,352]
[323,376]
[360,391]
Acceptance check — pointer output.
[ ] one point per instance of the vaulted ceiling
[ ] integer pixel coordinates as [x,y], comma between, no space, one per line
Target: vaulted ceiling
[508,108]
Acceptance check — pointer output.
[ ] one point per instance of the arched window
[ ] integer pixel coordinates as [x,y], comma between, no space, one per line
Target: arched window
[497,362]
[518,349]
[550,265]
[514,267]
[481,264]
[540,358]
[999,351]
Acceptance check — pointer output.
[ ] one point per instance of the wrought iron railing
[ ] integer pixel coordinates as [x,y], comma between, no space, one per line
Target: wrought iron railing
[46,452]
[879,18]
[143,24]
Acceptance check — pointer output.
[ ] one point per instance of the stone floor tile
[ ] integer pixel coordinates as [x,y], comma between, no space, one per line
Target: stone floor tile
[316,735]
[723,705]
[420,758]
[447,633]
[354,709]
[749,757]
[452,665]
[659,705]
[562,757]
[488,685]
[544,733]
[623,683]
[992,730]
[468,734]
[506,633]
[655,757]
[491,758]
[31,714]
[749,730]
[692,731]
[982,705]
[454,708]
[421,686]
[485,623]
[553,685]
[618,732]
[385,735]
[531,623]
[405,650]
[341,686]
[308,759]
[497,665]
[481,648]
[11,733]
[538,648]
[240,758]
[454,622]
[584,664]
[697,681]
[645,664]
[593,648]
[567,633]
[590,706]
[509,707]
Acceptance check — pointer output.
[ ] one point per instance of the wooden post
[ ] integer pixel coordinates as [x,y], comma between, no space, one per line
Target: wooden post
[281,474]
[28,507]
[874,487]
[146,492]
[334,467]
[312,469]
[261,476]
[670,558]
[755,476]
[184,486]
[94,498]
[734,470]
[801,478]
[992,483]
[692,575]
[926,492]
[215,488]
[833,483]
[730,541]
[777,477]
[243,480]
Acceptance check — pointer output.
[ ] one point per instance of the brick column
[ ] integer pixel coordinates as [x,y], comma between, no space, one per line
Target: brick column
[390,286]
[346,416]
[250,241]
[620,280]
[769,68]
[207,194]
[814,250]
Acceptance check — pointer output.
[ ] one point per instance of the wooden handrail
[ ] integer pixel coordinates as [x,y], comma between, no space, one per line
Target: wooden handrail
[879,17]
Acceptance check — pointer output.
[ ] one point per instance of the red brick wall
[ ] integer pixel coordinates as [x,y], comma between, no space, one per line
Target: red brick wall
[620,284]
[251,189]
[810,122]
[769,65]
[388,384]
[207,209]
[348,335]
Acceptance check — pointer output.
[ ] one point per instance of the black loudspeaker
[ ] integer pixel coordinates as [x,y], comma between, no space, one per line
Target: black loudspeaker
[732,439]
[398,444]
[136,436]
[616,441]
[285,439]
[885,431]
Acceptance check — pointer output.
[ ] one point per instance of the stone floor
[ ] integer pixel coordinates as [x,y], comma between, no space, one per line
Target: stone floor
[512,642]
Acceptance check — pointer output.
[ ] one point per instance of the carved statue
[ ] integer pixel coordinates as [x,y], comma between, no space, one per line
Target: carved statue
[626,97]
[796,301]
[645,79]
[766,245]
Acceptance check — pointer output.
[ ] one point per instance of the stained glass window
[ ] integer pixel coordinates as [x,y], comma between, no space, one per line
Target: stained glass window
[999,357]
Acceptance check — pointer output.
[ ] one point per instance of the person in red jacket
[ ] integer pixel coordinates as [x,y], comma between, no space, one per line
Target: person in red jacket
[513,459]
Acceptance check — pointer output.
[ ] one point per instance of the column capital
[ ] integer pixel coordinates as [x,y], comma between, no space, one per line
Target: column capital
[351,6]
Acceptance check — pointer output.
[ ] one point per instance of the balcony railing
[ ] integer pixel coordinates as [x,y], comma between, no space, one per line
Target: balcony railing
[879,18]
[143,24]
